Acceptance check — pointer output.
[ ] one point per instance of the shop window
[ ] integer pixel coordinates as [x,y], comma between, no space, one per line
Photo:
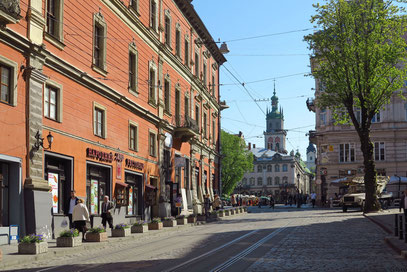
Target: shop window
[53,101]
[178,41]
[8,81]
[55,11]
[133,69]
[99,44]
[285,168]
[99,120]
[153,15]
[4,194]
[133,136]
[152,144]
[98,185]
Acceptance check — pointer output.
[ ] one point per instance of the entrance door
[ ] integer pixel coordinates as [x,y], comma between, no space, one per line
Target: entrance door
[4,194]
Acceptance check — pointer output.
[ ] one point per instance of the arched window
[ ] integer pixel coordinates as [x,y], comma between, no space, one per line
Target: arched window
[277,146]
[277,180]
[285,168]
[269,168]
[276,168]
[259,168]
[259,181]
[251,181]
[269,181]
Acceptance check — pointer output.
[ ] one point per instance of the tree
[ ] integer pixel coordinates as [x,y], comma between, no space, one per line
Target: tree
[236,160]
[358,58]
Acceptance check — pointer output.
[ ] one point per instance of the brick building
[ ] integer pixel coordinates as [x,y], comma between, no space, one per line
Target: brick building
[129,92]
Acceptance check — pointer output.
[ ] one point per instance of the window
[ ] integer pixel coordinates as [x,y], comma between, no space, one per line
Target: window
[259,168]
[178,41]
[167,95]
[251,181]
[269,168]
[244,181]
[276,168]
[405,111]
[152,84]
[358,114]
[99,43]
[177,101]
[196,63]
[8,81]
[204,128]
[213,131]
[167,28]
[133,68]
[134,5]
[186,103]
[55,19]
[346,153]
[322,117]
[379,151]
[5,83]
[153,15]
[50,102]
[186,51]
[269,181]
[285,169]
[213,84]
[259,181]
[133,136]
[99,120]
[152,144]
[285,180]
[376,117]
[277,181]
[198,123]
[204,74]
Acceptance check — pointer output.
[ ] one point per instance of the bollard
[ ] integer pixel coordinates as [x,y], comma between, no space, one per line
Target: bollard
[396,225]
[401,227]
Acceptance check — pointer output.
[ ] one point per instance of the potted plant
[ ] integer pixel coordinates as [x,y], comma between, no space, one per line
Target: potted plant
[121,230]
[181,220]
[221,213]
[97,234]
[155,224]
[69,238]
[192,218]
[169,222]
[201,217]
[32,244]
[139,227]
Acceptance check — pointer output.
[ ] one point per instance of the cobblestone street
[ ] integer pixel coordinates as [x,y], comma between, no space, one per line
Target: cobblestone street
[283,240]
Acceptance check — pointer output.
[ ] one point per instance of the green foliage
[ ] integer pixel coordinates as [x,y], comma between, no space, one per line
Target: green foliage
[122,226]
[30,239]
[69,233]
[97,230]
[236,160]
[156,220]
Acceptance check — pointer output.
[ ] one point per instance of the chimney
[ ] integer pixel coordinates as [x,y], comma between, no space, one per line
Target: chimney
[254,146]
[250,146]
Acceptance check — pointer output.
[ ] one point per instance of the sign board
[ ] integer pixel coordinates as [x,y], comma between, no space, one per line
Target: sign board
[118,170]
[184,199]
[93,196]
[53,183]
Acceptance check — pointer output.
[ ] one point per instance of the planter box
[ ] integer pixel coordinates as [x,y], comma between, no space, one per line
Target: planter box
[96,237]
[121,232]
[232,212]
[182,221]
[241,210]
[201,217]
[139,229]
[192,219]
[32,248]
[227,213]
[69,241]
[155,226]
[169,223]
[221,214]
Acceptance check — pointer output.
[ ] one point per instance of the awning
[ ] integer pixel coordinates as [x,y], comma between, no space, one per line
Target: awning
[121,183]
[151,187]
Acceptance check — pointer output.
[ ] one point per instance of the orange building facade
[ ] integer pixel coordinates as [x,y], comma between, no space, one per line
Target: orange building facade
[109,97]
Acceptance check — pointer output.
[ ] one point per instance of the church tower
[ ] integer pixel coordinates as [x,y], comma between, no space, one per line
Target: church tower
[275,135]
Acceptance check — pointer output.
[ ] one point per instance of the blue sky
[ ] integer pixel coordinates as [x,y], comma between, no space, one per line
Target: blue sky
[235,19]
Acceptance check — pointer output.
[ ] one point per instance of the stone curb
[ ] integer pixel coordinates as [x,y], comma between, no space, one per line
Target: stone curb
[8,264]
[391,241]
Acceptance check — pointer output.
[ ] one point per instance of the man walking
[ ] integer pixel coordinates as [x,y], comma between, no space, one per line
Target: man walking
[71,203]
[403,202]
[107,207]
[313,199]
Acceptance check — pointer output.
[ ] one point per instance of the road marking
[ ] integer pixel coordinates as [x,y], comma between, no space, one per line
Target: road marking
[247,251]
[212,251]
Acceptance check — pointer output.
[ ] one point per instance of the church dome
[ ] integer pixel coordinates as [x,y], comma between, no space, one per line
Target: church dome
[311,148]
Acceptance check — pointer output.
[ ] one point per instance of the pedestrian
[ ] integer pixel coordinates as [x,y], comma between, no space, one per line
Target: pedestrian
[80,216]
[69,205]
[403,203]
[216,203]
[233,200]
[107,207]
[272,202]
[207,205]
[313,199]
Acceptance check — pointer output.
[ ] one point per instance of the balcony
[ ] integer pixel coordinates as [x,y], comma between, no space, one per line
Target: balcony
[311,104]
[185,128]
[9,12]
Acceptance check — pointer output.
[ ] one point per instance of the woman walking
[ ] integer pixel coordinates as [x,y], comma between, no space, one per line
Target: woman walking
[80,216]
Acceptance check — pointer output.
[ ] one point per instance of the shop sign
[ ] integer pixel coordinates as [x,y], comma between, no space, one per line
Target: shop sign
[134,164]
[53,183]
[99,155]
[118,170]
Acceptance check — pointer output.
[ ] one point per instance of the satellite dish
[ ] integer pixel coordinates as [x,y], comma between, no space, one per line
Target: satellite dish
[168,140]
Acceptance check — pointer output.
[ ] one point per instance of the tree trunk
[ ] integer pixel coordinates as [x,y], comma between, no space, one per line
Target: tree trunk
[371,202]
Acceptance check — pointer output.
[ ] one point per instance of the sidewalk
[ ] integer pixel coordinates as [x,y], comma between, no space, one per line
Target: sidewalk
[12,258]
[386,220]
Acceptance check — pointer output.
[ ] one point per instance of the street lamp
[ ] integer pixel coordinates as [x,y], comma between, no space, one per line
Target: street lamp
[298,191]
